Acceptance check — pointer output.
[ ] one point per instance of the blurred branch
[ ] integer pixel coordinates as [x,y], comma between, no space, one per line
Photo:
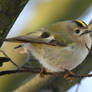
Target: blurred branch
[8,14]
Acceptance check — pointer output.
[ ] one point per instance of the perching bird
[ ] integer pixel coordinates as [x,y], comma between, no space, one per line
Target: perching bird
[59,46]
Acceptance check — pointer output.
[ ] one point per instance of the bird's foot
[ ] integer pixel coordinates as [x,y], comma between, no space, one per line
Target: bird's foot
[68,75]
[43,71]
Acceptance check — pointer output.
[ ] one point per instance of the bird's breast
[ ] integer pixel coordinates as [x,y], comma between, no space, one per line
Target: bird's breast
[57,58]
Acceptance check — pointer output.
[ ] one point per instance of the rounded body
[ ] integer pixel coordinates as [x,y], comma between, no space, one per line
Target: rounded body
[70,38]
[56,58]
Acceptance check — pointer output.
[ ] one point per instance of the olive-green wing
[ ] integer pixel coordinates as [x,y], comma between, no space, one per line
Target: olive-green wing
[42,37]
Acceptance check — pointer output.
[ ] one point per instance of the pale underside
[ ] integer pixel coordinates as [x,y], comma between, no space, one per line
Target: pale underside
[55,58]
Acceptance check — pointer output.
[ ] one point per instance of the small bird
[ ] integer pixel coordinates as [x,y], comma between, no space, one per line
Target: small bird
[59,46]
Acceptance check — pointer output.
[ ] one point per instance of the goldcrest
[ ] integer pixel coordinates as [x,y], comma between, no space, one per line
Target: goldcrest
[59,46]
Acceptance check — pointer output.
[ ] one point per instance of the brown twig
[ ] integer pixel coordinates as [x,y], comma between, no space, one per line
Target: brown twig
[8,57]
[88,49]
[37,70]
[19,71]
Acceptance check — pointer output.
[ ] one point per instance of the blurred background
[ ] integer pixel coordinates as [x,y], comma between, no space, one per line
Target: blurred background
[18,17]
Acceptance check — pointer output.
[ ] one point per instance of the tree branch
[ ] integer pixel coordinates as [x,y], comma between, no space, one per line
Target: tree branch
[33,84]
[38,69]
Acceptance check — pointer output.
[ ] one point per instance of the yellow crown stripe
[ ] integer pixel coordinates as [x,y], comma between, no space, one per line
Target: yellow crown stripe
[82,23]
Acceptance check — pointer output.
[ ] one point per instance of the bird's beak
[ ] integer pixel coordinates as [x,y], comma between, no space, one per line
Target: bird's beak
[85,32]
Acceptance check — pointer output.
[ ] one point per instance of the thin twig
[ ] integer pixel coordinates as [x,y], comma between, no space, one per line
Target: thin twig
[8,57]
[37,70]
[31,69]
[88,49]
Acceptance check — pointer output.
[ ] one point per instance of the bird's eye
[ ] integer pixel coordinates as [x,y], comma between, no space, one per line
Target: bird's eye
[77,31]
